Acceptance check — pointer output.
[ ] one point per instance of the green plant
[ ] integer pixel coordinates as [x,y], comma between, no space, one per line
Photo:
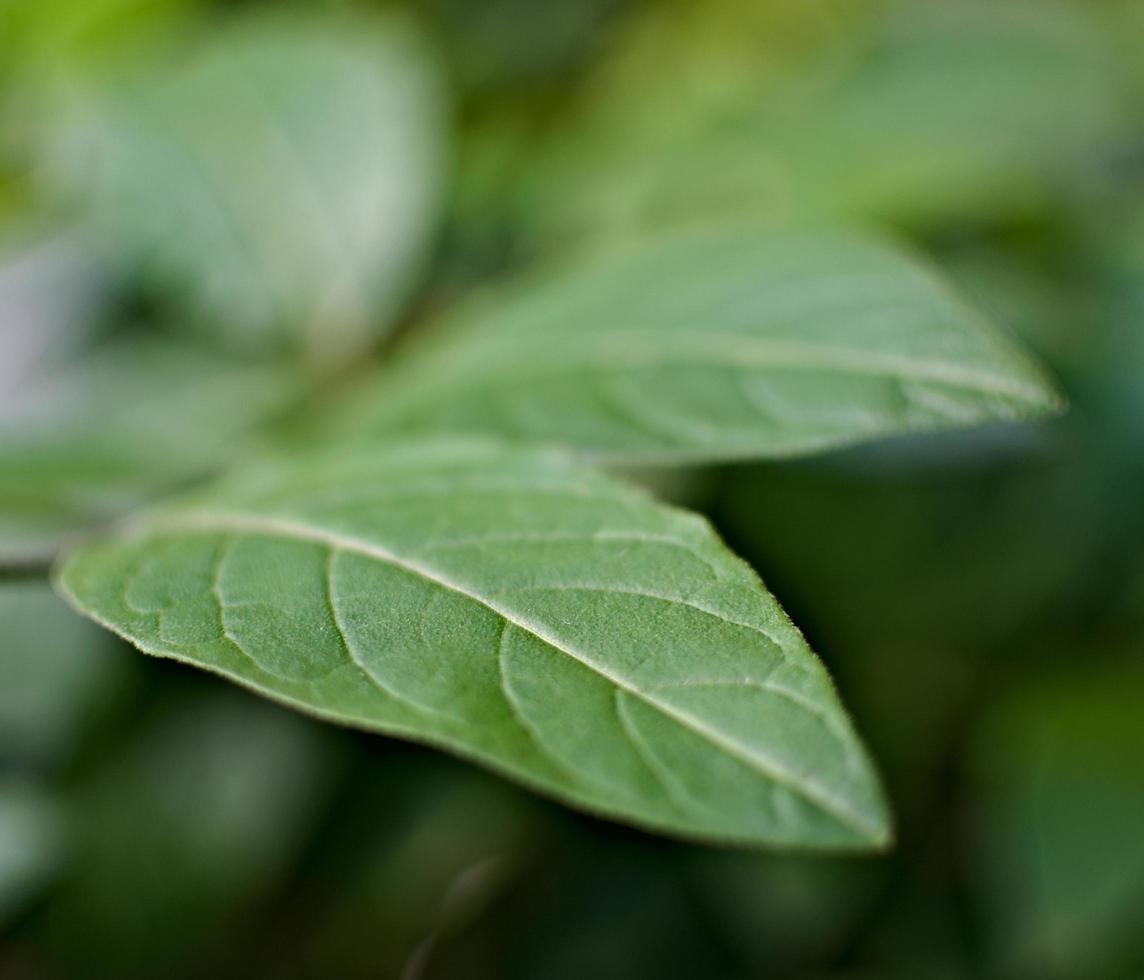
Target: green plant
[445,567]
[439,555]
[423,366]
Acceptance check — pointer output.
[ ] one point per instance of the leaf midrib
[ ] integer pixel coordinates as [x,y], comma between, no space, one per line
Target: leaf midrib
[284,527]
[634,350]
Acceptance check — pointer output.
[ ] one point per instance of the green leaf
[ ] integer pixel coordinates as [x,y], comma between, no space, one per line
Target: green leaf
[58,669]
[84,440]
[1058,777]
[32,842]
[937,112]
[181,829]
[68,35]
[439,862]
[559,626]
[716,344]
[280,180]
[49,288]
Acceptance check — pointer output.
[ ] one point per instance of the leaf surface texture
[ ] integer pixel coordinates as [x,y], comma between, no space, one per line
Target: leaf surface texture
[716,344]
[556,624]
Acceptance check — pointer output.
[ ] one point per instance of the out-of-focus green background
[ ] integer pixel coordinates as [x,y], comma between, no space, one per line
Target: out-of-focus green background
[213,215]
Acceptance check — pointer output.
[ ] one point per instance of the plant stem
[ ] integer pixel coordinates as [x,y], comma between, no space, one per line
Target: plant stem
[32,566]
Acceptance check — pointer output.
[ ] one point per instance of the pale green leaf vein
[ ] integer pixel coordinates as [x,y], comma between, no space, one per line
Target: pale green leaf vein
[348,647]
[768,767]
[672,786]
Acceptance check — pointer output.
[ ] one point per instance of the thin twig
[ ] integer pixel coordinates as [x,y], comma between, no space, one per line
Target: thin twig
[30,566]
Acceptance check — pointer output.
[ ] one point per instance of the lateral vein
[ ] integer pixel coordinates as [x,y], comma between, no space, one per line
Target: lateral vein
[285,527]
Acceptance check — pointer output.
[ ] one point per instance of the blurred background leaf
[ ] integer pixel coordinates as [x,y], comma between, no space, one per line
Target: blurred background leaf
[278,179]
[190,823]
[59,670]
[31,843]
[1062,856]
[926,112]
[48,288]
[80,443]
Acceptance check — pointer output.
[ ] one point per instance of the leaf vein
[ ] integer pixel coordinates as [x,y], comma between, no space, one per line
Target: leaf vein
[347,646]
[766,766]
[675,790]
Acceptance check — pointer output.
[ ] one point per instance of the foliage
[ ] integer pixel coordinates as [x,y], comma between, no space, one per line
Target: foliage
[411,367]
